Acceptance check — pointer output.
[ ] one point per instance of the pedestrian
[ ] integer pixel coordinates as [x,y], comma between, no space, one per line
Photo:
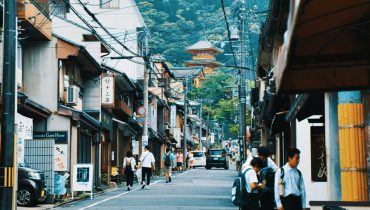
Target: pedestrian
[129,164]
[290,193]
[179,160]
[191,160]
[168,160]
[237,160]
[252,185]
[147,162]
[267,174]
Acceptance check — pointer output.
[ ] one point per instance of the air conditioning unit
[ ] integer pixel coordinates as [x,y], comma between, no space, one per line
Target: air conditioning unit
[73,93]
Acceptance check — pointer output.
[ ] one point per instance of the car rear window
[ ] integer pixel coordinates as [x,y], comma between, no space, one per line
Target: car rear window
[198,154]
[215,152]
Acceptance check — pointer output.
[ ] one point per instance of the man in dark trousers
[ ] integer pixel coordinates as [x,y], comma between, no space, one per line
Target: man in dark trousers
[147,162]
[290,193]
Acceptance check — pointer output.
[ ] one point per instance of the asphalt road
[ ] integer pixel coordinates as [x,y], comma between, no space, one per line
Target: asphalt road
[194,189]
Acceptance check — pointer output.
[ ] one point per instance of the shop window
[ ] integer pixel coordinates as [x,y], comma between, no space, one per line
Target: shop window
[84,149]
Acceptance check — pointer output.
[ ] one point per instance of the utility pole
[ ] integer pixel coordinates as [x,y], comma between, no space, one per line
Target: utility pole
[201,125]
[184,148]
[7,159]
[145,137]
[242,90]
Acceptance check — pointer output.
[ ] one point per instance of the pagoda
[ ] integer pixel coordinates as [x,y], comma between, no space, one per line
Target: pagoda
[203,55]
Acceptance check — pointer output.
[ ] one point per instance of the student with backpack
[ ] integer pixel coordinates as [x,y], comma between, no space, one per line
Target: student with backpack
[129,164]
[168,160]
[290,192]
[245,192]
[267,175]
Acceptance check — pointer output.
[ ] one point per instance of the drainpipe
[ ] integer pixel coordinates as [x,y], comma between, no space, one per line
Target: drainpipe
[97,160]
[352,146]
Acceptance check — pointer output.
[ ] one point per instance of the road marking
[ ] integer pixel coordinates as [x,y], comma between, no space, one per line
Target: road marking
[105,200]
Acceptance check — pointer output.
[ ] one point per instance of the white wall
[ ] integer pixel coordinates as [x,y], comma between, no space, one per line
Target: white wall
[40,73]
[315,190]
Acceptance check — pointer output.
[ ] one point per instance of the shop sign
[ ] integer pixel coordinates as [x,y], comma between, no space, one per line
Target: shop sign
[107,90]
[82,177]
[60,137]
[318,154]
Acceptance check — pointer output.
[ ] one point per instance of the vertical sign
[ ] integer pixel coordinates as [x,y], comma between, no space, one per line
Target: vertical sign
[107,90]
[212,138]
[173,116]
[24,131]
[318,154]
[60,157]
[135,147]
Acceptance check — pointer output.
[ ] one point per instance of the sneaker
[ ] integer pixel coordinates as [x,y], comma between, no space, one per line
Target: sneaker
[142,187]
[147,187]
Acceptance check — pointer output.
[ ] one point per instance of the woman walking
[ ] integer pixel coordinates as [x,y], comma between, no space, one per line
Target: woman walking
[129,164]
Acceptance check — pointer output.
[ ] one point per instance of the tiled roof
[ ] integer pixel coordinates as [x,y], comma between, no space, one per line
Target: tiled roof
[203,45]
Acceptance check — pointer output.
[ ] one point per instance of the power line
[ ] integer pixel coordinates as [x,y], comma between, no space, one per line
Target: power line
[103,27]
[228,31]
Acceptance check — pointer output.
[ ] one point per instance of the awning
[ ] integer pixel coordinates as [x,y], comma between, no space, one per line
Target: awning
[279,124]
[79,115]
[30,108]
[326,47]
[127,129]
[153,135]
[135,125]
[306,105]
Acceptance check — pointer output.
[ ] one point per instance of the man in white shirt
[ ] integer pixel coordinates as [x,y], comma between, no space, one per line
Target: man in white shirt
[293,193]
[147,162]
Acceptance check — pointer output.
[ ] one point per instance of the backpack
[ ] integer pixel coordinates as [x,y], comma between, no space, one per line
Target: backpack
[128,165]
[282,176]
[239,193]
[267,174]
[167,161]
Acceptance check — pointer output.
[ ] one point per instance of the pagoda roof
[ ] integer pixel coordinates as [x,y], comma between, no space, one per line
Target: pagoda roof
[204,62]
[183,72]
[203,45]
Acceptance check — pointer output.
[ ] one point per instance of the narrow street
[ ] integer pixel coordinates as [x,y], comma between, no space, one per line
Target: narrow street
[195,189]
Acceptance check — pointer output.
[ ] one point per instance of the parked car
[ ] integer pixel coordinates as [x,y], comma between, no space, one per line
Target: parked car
[31,186]
[199,158]
[217,158]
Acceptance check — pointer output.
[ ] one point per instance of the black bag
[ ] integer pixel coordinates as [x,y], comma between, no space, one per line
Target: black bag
[239,194]
[268,175]
[167,161]
[128,167]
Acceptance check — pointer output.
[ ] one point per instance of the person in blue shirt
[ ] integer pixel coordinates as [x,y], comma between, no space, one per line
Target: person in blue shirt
[168,160]
[290,192]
